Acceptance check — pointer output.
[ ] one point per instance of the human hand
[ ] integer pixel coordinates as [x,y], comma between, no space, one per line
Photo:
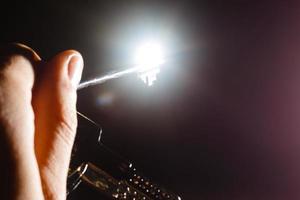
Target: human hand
[37,122]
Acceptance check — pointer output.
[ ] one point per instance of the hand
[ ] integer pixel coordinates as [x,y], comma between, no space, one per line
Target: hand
[37,122]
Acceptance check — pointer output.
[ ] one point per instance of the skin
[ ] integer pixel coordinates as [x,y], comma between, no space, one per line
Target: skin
[37,122]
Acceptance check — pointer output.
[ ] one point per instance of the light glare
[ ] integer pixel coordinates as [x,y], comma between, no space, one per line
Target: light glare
[149,57]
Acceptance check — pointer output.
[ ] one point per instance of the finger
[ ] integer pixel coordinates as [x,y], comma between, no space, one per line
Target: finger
[54,105]
[19,172]
[17,78]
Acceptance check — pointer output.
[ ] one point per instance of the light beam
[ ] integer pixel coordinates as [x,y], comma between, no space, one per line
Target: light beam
[148,59]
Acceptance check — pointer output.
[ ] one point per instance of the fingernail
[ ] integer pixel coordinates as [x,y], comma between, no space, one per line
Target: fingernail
[75,69]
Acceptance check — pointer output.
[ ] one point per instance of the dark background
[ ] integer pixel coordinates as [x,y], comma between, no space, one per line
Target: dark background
[221,122]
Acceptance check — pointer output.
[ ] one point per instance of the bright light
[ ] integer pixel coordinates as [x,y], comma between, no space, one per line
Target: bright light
[149,57]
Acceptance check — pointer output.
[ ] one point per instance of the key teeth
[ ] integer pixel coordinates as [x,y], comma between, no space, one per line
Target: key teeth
[149,76]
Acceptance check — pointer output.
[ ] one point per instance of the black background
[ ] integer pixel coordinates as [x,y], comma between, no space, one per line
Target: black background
[221,122]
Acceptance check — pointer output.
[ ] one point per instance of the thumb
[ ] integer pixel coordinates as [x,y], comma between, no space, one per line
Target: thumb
[54,103]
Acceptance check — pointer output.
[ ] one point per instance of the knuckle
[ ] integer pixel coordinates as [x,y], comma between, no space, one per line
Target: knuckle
[17,63]
[9,50]
[18,70]
[67,125]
